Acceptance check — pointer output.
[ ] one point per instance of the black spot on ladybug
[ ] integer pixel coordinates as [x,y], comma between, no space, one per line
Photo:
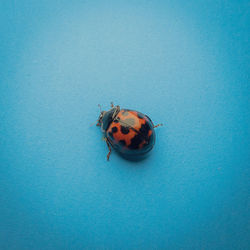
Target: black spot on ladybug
[111,135]
[114,129]
[129,122]
[122,142]
[140,115]
[125,113]
[144,129]
[145,144]
[135,142]
[150,139]
[124,130]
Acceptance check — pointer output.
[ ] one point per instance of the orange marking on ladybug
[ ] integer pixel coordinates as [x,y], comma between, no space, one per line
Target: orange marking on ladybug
[126,137]
[149,133]
[131,115]
[142,144]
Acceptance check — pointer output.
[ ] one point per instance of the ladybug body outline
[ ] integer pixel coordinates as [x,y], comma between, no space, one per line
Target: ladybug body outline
[129,132]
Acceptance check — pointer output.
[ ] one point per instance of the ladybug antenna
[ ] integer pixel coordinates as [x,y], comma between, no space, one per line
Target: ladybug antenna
[94,123]
[99,105]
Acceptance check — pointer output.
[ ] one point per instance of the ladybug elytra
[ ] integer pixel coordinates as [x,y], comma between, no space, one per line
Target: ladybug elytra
[129,132]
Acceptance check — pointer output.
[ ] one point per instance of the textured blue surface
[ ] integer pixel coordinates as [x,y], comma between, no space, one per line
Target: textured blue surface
[183,63]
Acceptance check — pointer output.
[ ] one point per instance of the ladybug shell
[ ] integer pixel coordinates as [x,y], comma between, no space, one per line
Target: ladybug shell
[131,133]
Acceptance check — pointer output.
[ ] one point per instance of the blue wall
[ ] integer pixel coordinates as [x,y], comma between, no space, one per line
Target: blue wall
[183,63]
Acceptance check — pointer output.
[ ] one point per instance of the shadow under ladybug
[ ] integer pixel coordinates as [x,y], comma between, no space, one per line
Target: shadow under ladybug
[129,132]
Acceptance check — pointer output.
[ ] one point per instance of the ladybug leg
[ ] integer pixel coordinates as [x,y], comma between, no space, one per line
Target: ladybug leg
[112,104]
[158,125]
[108,155]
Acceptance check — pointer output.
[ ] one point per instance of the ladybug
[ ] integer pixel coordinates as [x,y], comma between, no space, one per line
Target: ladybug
[129,132]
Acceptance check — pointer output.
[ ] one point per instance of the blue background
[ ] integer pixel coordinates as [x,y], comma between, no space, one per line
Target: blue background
[183,63]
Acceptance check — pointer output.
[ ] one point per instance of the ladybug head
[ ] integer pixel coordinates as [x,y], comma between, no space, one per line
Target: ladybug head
[106,117]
